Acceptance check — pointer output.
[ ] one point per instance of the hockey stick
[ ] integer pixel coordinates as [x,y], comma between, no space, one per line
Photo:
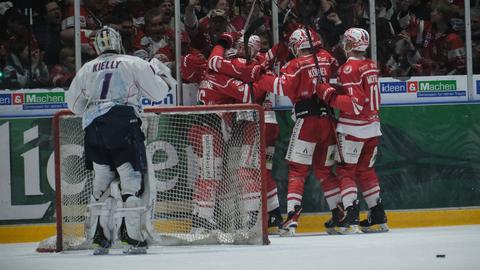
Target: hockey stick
[287,12]
[331,116]
[249,17]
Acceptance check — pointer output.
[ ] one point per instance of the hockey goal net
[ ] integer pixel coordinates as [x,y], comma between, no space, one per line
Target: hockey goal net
[206,165]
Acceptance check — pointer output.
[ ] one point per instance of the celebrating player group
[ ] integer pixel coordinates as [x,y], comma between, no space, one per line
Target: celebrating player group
[341,152]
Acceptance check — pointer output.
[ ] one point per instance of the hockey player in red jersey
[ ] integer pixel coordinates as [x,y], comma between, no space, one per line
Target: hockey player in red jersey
[226,82]
[312,142]
[358,133]
[238,67]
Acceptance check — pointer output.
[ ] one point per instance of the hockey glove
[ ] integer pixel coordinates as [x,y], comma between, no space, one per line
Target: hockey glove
[194,61]
[252,73]
[325,91]
[227,39]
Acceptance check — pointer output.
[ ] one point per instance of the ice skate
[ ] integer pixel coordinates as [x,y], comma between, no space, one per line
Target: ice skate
[101,243]
[349,223]
[376,221]
[337,215]
[275,221]
[289,227]
[131,246]
[134,250]
[201,225]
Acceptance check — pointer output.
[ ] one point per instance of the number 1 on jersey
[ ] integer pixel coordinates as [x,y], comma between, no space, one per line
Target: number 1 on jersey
[105,85]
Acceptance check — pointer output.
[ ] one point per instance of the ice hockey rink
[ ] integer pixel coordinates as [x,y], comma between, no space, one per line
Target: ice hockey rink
[421,248]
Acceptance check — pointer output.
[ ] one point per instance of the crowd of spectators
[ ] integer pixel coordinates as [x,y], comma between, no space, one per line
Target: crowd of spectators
[414,37]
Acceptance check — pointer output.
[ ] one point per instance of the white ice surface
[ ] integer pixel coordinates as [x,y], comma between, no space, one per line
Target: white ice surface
[398,249]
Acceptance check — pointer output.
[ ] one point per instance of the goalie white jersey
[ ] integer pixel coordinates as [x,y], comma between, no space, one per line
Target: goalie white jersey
[113,79]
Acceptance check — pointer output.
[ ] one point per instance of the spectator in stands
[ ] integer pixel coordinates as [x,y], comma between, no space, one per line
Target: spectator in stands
[47,28]
[217,8]
[475,25]
[61,75]
[360,14]
[158,39]
[444,47]
[239,21]
[124,24]
[137,9]
[168,12]
[421,9]
[384,28]
[404,58]
[92,13]
[330,26]
[206,35]
[16,25]
[25,72]
[5,82]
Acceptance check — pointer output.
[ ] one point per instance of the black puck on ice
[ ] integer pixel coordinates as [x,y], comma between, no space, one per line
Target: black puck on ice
[441,256]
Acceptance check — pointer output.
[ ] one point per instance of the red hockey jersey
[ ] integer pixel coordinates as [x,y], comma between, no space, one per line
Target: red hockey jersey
[217,88]
[299,78]
[360,104]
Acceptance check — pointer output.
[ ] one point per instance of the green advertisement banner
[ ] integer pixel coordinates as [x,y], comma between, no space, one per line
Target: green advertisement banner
[429,157]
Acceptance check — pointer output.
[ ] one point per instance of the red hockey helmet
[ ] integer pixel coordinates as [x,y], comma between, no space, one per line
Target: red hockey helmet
[356,39]
[298,41]
[254,44]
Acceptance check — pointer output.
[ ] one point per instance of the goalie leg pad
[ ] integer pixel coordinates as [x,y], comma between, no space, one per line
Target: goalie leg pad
[129,221]
[99,225]
[130,180]
[103,177]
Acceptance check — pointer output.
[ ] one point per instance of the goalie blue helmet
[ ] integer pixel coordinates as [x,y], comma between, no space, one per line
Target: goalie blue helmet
[108,39]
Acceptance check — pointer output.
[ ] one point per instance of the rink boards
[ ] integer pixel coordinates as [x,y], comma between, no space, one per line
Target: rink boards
[309,223]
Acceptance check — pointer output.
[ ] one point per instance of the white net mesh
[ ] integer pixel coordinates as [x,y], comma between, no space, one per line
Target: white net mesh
[206,168]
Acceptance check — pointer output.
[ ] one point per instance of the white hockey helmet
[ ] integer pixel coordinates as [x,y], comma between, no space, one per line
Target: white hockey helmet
[355,39]
[108,39]
[298,41]
[254,44]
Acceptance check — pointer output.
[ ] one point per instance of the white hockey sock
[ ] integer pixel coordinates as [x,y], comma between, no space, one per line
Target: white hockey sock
[349,195]
[371,196]
[292,201]
[272,200]
[333,198]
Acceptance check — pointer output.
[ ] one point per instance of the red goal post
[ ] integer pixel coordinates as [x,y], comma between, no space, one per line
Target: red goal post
[175,169]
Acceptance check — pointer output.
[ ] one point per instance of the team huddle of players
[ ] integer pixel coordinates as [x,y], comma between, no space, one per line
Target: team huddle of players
[107,92]
[318,141]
